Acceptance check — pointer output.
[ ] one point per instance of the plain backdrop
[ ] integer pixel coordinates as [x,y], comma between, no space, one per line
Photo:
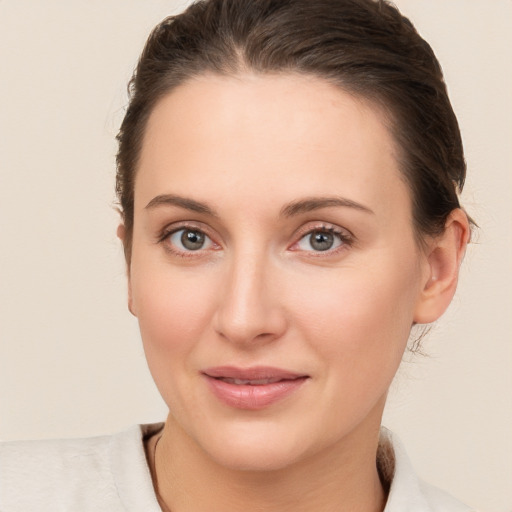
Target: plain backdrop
[71,361]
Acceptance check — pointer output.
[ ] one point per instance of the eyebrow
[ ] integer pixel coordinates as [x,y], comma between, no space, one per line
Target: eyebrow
[310,204]
[292,209]
[181,202]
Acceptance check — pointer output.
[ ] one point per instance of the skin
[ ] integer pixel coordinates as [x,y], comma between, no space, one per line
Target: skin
[258,293]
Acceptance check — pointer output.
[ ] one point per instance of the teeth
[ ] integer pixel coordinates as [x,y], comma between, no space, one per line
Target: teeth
[245,382]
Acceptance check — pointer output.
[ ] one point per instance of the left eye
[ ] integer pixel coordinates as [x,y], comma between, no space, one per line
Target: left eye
[190,240]
[320,240]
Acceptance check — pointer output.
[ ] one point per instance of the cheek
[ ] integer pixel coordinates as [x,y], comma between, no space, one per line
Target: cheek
[355,322]
[174,311]
[360,318]
[170,315]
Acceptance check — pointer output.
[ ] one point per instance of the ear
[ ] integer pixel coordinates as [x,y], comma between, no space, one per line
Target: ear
[444,255]
[121,234]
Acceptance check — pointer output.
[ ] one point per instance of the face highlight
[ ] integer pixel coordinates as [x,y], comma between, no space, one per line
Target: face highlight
[273,241]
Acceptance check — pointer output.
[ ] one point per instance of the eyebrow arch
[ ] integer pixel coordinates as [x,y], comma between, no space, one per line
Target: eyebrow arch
[181,202]
[315,203]
[294,208]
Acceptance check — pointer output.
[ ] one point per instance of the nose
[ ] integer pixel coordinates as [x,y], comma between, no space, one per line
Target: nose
[250,310]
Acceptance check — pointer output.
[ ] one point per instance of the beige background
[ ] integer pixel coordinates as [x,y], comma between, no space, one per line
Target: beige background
[71,363]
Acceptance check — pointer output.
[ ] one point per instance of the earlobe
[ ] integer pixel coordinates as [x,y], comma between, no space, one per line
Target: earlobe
[444,256]
[131,309]
[121,234]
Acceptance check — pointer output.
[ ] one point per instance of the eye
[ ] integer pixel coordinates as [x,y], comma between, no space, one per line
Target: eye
[187,240]
[322,240]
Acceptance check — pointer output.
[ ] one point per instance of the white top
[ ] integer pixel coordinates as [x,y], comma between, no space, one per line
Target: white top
[110,473]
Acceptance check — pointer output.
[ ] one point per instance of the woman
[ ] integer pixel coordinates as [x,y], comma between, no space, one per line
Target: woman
[288,175]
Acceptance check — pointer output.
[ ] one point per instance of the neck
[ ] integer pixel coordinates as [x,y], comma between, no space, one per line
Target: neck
[344,478]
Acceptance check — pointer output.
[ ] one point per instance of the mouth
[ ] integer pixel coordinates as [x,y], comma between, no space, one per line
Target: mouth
[248,382]
[252,388]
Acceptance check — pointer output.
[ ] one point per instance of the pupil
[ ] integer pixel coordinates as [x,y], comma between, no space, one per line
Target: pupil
[321,241]
[192,240]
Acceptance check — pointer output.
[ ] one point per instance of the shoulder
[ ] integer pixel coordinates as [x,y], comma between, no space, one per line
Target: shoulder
[67,473]
[61,458]
[72,474]
[408,492]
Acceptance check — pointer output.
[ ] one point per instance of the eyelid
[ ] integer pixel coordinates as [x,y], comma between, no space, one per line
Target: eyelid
[345,235]
[185,224]
[322,225]
[174,227]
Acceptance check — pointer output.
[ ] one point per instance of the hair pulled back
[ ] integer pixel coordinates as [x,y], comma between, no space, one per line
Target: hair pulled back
[366,47]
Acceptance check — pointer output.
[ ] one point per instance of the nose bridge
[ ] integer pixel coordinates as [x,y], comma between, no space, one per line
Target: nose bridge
[248,310]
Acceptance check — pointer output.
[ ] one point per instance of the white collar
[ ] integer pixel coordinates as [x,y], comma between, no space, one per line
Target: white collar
[407,492]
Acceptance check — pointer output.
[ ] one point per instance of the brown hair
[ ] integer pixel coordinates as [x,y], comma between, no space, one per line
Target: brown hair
[366,47]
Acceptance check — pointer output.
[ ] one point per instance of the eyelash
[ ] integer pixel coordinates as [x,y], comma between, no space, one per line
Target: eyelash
[171,230]
[344,237]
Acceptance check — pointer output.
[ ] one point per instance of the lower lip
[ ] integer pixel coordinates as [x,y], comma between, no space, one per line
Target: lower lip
[244,396]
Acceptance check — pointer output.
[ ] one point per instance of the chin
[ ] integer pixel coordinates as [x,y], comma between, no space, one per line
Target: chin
[250,447]
[240,457]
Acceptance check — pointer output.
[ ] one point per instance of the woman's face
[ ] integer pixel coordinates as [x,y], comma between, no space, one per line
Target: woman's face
[274,268]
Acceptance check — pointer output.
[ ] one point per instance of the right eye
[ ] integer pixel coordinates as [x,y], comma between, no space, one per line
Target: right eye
[320,241]
[189,240]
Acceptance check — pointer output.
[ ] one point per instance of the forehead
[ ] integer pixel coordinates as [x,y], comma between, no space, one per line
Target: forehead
[277,135]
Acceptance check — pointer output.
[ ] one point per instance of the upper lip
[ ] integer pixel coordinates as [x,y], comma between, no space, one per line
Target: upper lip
[254,373]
